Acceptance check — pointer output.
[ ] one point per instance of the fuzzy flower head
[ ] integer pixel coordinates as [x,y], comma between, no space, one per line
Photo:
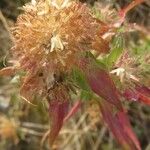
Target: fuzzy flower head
[49,37]
[57,45]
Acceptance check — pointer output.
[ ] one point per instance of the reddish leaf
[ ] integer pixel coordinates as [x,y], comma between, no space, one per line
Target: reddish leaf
[57,112]
[73,110]
[120,126]
[140,93]
[143,89]
[131,95]
[143,98]
[101,83]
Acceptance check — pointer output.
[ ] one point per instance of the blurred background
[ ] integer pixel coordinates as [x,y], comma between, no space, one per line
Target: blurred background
[25,127]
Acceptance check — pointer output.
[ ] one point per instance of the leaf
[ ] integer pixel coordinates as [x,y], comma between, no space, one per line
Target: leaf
[57,112]
[120,126]
[143,98]
[143,89]
[130,95]
[80,79]
[117,49]
[85,95]
[101,84]
[140,94]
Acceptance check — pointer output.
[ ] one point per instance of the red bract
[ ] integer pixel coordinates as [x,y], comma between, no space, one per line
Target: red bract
[119,124]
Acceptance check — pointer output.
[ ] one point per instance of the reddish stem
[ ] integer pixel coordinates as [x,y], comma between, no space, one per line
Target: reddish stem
[126,9]
[73,110]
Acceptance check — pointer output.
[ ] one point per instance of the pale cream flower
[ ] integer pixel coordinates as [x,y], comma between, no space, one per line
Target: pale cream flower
[33,2]
[56,43]
[124,74]
[60,4]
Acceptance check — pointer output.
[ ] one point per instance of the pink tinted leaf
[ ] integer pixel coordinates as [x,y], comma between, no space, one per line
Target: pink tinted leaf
[143,89]
[144,99]
[100,81]
[73,110]
[131,94]
[102,84]
[122,116]
[120,126]
[57,113]
[140,94]
[144,94]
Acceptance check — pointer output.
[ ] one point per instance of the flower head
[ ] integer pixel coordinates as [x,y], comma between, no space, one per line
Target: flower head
[49,37]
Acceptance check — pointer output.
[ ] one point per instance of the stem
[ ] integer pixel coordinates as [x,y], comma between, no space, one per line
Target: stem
[73,110]
[126,9]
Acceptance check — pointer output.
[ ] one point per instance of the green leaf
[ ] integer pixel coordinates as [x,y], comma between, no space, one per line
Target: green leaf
[96,62]
[116,51]
[85,95]
[79,78]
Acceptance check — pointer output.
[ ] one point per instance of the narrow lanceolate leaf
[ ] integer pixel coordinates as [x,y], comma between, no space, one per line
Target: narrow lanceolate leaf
[101,83]
[57,113]
[140,94]
[116,51]
[120,126]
